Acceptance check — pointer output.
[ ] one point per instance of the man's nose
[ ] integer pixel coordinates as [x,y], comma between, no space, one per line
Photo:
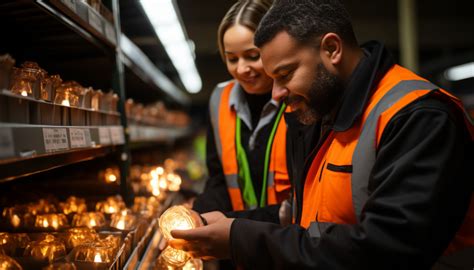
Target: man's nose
[279,93]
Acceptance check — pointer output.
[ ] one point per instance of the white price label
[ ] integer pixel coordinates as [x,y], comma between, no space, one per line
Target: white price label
[79,137]
[95,21]
[55,139]
[71,4]
[110,32]
[116,133]
[6,143]
[104,136]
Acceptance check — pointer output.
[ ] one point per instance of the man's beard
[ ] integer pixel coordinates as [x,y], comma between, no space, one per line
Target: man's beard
[325,93]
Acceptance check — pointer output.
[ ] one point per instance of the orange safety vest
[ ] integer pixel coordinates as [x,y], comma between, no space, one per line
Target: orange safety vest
[336,186]
[223,120]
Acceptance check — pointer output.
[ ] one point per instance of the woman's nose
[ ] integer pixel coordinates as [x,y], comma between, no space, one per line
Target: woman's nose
[243,67]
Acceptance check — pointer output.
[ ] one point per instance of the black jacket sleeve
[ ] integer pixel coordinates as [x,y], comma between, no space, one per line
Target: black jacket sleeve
[215,196]
[266,214]
[420,190]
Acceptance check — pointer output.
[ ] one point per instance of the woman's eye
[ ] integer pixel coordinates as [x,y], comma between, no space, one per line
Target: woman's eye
[232,60]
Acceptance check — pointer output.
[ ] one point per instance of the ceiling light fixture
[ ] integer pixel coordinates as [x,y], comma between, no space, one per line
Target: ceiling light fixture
[164,16]
[460,72]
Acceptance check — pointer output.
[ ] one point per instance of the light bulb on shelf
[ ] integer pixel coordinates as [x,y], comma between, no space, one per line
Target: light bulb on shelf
[97,258]
[65,102]
[92,223]
[174,257]
[193,264]
[160,170]
[24,93]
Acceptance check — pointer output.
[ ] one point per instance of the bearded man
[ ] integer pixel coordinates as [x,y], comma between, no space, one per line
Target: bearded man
[387,184]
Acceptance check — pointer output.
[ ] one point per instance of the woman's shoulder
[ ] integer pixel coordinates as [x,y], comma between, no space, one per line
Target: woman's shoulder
[223,85]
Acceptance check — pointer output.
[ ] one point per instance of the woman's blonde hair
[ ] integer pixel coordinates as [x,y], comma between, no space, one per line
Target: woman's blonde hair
[247,13]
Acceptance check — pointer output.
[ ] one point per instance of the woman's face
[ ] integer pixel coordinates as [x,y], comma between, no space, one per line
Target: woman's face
[243,60]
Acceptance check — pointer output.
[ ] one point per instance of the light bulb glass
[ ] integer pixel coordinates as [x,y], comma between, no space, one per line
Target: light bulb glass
[174,257]
[175,218]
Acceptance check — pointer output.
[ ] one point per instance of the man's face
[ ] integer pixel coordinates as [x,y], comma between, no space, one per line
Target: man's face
[300,78]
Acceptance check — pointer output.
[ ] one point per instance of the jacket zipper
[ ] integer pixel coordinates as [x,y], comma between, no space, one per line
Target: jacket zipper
[305,169]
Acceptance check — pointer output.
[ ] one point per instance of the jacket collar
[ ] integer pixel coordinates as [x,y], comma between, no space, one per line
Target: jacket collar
[363,81]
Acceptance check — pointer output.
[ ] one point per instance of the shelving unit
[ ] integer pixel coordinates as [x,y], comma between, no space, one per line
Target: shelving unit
[70,38]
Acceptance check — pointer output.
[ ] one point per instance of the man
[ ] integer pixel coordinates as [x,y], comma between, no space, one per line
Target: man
[387,185]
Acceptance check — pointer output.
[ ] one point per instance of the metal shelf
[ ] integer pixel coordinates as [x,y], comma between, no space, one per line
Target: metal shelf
[83,19]
[28,149]
[149,134]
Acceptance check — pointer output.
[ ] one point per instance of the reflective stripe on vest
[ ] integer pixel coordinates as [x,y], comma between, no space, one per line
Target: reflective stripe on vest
[387,102]
[223,121]
[363,159]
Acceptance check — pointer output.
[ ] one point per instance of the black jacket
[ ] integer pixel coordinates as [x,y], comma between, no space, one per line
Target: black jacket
[215,196]
[420,189]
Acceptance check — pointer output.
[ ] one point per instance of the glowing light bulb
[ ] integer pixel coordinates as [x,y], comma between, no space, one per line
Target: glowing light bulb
[92,223]
[162,183]
[65,103]
[16,221]
[97,258]
[175,218]
[45,223]
[55,224]
[121,225]
[160,170]
[193,264]
[24,93]
[112,209]
[112,178]
[156,192]
[174,257]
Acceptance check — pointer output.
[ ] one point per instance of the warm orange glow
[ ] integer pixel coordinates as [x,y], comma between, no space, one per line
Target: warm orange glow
[15,221]
[92,223]
[55,223]
[121,225]
[24,93]
[112,178]
[97,258]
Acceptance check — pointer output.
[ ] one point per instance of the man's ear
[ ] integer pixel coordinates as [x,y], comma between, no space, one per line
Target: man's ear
[331,50]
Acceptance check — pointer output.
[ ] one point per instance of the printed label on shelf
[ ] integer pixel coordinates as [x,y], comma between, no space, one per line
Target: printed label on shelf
[71,4]
[6,143]
[80,137]
[110,32]
[104,136]
[55,139]
[95,21]
[116,133]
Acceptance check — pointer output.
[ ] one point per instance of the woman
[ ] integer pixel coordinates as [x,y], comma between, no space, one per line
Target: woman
[246,140]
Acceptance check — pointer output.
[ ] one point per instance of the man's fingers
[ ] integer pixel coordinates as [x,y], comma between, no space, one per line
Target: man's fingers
[191,235]
[212,217]
[178,244]
[163,244]
[191,247]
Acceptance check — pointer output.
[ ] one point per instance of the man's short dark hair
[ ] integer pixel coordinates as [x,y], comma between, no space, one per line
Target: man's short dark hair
[306,20]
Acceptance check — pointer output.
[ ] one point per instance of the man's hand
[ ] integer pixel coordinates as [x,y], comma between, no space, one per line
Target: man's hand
[207,242]
[213,217]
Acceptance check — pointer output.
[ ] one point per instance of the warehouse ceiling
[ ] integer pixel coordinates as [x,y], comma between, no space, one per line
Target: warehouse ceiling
[445,31]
